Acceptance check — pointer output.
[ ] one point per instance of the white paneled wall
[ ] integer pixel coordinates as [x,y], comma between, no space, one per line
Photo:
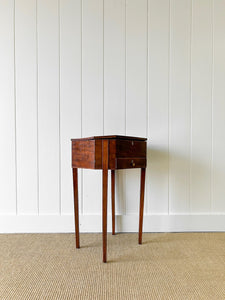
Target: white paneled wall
[76,68]
[8,168]
[70,89]
[158,100]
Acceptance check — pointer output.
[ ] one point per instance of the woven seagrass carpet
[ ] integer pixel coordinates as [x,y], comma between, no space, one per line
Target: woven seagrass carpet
[166,266]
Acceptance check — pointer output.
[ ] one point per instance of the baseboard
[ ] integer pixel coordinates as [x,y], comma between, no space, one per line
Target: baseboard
[124,223]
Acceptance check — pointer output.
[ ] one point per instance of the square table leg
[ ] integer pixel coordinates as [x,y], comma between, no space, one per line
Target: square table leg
[105,162]
[142,191]
[76,208]
[113,199]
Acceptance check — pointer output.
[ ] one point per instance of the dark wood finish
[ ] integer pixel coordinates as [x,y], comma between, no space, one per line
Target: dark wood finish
[108,153]
[76,207]
[142,191]
[105,158]
[113,200]
[83,154]
[87,154]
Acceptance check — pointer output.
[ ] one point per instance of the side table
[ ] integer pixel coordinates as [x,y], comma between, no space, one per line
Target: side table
[108,153]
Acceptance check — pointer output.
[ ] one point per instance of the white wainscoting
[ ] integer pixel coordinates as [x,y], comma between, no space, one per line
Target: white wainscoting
[76,68]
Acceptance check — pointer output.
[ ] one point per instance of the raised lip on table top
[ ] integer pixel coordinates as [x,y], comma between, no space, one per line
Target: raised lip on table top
[115,137]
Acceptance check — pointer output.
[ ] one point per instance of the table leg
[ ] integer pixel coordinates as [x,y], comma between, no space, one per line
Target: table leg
[76,208]
[113,200]
[105,151]
[142,191]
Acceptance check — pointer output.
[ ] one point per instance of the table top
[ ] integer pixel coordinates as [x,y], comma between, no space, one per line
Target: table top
[114,137]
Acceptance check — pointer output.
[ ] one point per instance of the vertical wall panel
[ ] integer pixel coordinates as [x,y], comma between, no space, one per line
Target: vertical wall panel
[92,68]
[136,67]
[26,106]
[136,88]
[48,106]
[114,67]
[70,94]
[92,94]
[159,17]
[114,83]
[218,109]
[179,115]
[7,109]
[201,130]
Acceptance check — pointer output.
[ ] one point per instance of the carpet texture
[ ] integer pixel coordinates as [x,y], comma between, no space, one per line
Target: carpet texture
[166,266]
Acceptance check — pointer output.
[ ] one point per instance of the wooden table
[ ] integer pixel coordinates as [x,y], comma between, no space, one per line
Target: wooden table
[108,153]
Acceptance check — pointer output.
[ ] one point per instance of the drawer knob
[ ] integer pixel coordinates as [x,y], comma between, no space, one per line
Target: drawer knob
[132,163]
[132,143]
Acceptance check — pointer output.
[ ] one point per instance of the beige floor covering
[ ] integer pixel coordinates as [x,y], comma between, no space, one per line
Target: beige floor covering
[166,266]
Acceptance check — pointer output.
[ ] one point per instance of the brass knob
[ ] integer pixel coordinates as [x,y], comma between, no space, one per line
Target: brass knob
[132,163]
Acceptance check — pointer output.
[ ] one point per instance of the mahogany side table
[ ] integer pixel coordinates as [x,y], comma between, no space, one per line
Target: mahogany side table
[108,153]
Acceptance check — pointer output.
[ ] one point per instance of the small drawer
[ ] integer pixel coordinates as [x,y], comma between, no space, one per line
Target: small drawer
[130,148]
[130,163]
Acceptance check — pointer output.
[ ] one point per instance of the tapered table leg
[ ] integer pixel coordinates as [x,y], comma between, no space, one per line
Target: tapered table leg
[113,200]
[76,208]
[104,196]
[142,191]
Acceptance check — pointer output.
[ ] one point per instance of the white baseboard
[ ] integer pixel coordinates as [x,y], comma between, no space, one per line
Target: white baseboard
[124,223]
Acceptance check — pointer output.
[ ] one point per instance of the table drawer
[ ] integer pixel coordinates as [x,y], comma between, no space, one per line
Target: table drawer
[130,163]
[130,148]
